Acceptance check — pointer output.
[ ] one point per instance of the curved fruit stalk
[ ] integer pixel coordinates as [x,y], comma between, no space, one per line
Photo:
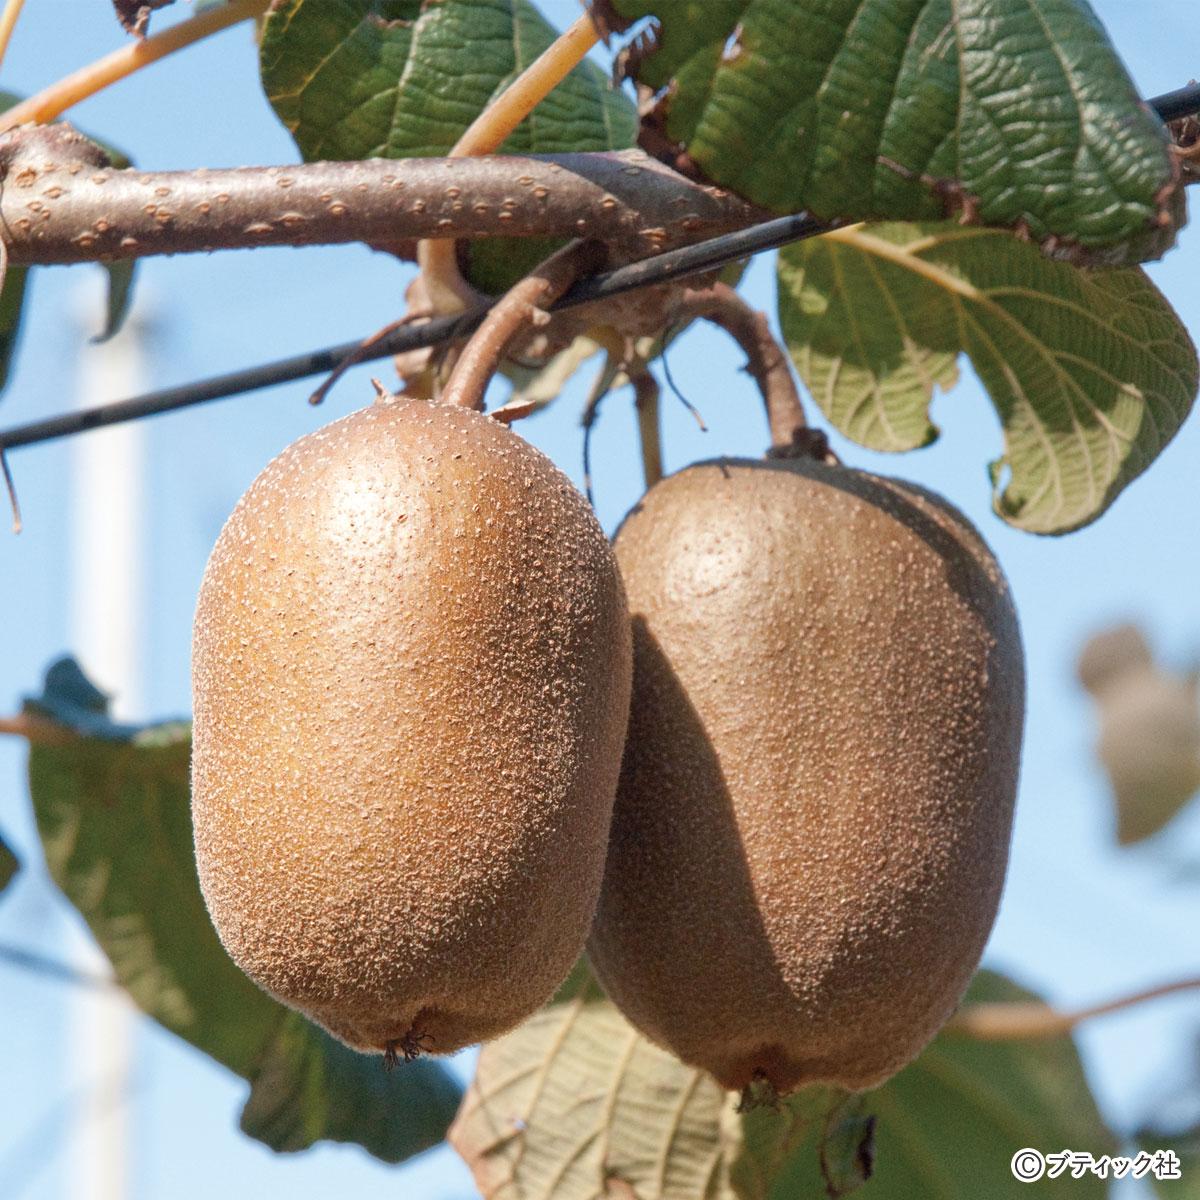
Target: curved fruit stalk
[411,679]
[813,818]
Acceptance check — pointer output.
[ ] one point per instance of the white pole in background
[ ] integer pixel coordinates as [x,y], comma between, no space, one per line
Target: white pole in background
[108,518]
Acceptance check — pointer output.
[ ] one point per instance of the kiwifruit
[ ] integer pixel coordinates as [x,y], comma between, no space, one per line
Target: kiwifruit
[411,676]
[813,817]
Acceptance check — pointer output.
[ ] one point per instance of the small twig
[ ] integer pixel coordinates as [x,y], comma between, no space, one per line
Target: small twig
[11,488]
[8,21]
[36,730]
[491,128]
[95,77]
[523,304]
[1014,1021]
[361,353]
[438,258]
[766,360]
[676,390]
[645,399]
[591,410]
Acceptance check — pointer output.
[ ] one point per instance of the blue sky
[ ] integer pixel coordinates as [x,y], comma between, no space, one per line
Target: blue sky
[1080,921]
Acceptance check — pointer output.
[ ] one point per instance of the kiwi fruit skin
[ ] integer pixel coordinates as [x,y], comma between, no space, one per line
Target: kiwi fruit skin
[411,674]
[813,818]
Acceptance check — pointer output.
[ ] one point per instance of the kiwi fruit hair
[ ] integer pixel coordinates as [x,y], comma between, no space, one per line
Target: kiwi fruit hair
[813,817]
[411,674]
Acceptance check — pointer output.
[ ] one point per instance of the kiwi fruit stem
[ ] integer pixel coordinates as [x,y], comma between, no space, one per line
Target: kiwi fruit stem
[645,399]
[525,303]
[768,364]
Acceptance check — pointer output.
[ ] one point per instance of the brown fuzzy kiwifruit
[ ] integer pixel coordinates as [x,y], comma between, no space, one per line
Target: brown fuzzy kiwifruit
[812,823]
[411,679]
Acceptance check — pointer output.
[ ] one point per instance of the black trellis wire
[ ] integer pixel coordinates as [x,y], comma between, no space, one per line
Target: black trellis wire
[663,268]
[674,264]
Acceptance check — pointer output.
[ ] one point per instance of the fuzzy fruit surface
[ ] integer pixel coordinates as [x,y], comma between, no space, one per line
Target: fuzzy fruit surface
[813,818]
[411,672]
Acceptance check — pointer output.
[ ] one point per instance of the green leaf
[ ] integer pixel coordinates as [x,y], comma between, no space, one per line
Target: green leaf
[1018,111]
[1091,373]
[120,297]
[12,303]
[12,293]
[120,274]
[355,79]
[113,812]
[400,78]
[575,1105]
[949,1124]
[9,865]
[16,280]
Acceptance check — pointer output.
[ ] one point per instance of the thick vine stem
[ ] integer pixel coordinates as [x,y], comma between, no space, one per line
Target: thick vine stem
[1018,1020]
[56,208]
[523,306]
[448,291]
[767,363]
[96,76]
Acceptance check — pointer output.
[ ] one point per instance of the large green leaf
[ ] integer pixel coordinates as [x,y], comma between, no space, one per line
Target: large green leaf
[112,809]
[9,865]
[1017,110]
[1091,372]
[358,79]
[575,1105]
[401,78]
[949,1125]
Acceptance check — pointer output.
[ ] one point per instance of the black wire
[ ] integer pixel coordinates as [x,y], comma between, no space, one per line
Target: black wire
[1185,102]
[675,264]
[220,387]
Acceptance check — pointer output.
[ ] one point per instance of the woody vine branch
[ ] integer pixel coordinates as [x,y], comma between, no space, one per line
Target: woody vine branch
[59,204]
